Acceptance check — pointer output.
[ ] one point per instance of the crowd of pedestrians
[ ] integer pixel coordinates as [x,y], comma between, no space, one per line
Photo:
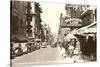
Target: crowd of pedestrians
[70,47]
[78,47]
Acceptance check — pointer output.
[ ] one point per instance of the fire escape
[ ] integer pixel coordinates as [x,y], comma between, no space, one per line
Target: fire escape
[29,19]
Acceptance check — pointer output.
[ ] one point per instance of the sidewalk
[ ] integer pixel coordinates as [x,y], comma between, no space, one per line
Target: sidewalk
[75,59]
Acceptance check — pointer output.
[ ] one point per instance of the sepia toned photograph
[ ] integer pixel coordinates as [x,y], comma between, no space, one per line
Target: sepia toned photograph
[44,33]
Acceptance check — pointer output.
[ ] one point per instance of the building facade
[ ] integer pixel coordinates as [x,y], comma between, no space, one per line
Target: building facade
[47,32]
[71,20]
[36,21]
[18,19]
[74,11]
[29,16]
[89,15]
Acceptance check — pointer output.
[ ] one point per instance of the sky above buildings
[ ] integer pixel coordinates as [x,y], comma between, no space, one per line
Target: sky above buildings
[51,14]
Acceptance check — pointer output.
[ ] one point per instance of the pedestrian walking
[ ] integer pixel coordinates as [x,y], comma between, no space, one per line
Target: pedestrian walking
[70,50]
[63,53]
[64,46]
[77,52]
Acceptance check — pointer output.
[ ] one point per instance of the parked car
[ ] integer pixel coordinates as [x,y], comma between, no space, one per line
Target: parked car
[12,52]
[54,45]
[44,45]
[30,46]
[38,43]
[18,50]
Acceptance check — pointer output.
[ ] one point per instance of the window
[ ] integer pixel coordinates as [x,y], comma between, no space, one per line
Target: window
[16,4]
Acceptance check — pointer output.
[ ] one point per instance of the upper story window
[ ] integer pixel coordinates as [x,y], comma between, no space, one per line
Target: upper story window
[16,4]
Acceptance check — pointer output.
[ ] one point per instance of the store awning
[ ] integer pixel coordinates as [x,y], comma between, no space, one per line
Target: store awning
[88,29]
[19,38]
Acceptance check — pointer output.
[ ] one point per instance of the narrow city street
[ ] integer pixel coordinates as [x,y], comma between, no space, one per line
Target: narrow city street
[52,33]
[42,56]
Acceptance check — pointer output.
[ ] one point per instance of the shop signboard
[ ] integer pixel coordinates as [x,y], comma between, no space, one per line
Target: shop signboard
[74,22]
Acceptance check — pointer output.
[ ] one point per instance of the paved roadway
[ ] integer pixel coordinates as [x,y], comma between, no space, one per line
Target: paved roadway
[42,56]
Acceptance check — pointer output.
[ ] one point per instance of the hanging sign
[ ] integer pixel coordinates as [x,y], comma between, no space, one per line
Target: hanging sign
[73,22]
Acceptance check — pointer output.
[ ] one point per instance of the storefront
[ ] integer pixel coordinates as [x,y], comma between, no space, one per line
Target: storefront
[87,37]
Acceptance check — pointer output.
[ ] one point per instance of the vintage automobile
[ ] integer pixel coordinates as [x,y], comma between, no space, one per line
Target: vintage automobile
[18,49]
[18,45]
[44,45]
[12,52]
[54,44]
[38,43]
[31,46]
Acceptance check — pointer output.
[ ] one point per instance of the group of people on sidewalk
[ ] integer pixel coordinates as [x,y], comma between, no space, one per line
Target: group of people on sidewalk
[70,47]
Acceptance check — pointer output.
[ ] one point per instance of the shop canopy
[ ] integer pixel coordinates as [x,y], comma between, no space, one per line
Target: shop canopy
[19,38]
[88,29]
